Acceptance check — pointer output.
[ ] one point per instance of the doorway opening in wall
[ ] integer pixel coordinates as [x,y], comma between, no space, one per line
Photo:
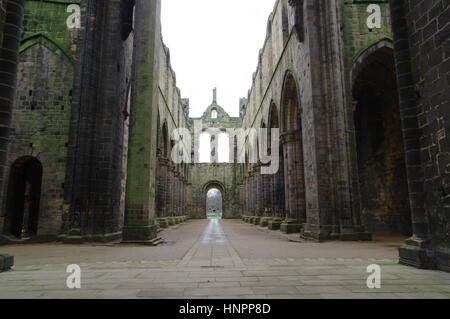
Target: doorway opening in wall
[384,196]
[214,204]
[23,198]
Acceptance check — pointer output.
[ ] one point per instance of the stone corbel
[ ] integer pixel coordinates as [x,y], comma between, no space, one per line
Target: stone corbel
[299,18]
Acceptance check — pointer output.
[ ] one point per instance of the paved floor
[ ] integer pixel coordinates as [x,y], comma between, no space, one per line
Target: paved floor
[219,259]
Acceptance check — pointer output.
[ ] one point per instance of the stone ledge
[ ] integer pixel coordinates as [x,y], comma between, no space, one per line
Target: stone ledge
[74,238]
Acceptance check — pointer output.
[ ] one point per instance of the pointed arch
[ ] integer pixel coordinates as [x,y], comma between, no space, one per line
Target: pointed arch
[292,153]
[379,146]
[43,39]
[290,104]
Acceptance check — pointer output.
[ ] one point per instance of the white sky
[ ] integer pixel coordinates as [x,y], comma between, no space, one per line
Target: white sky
[214,43]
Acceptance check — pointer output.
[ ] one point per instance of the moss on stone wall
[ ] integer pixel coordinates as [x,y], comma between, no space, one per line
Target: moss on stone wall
[41,113]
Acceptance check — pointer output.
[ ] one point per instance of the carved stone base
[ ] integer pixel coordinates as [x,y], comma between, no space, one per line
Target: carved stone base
[264,222]
[416,253]
[139,233]
[162,222]
[275,223]
[290,226]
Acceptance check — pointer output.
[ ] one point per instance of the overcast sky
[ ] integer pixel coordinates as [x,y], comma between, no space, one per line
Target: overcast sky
[214,43]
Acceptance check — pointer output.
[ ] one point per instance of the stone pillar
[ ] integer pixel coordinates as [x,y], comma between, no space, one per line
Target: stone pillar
[251,192]
[417,251]
[140,199]
[161,187]
[323,118]
[294,181]
[267,204]
[179,195]
[175,192]
[169,190]
[258,191]
[241,199]
[277,194]
[94,170]
[246,194]
[183,212]
[11,19]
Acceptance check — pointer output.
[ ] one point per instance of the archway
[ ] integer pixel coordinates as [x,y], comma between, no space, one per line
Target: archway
[292,153]
[214,200]
[214,204]
[23,200]
[380,151]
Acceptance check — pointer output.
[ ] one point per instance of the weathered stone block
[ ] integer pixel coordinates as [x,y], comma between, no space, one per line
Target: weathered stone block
[6,262]
[139,233]
[265,221]
[275,223]
[162,222]
[416,257]
[290,226]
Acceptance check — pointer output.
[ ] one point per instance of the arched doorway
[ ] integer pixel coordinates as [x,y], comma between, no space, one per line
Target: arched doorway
[382,175]
[214,200]
[214,204]
[23,199]
[292,153]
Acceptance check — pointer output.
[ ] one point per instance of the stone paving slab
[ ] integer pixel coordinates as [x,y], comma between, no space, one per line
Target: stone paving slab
[212,267]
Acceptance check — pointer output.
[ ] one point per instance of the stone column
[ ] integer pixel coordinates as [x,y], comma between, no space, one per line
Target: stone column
[418,250]
[294,182]
[258,191]
[176,192]
[241,199]
[160,186]
[246,194]
[277,194]
[11,28]
[179,194]
[267,204]
[140,199]
[185,209]
[251,192]
[168,195]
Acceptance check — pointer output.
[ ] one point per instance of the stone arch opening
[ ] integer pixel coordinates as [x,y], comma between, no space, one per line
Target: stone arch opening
[214,200]
[292,153]
[23,198]
[214,114]
[382,176]
[205,149]
[223,147]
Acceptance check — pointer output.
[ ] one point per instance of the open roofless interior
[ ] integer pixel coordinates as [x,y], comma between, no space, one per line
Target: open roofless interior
[336,159]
